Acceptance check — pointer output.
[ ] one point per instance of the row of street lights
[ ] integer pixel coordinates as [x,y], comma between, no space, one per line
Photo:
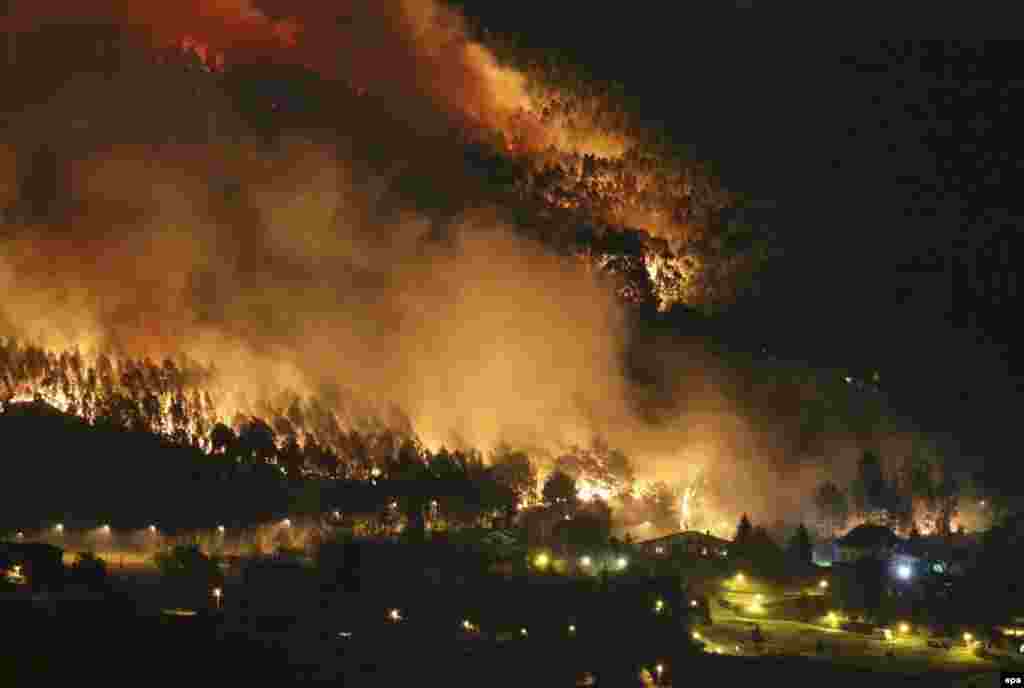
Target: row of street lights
[542,560]
[105,529]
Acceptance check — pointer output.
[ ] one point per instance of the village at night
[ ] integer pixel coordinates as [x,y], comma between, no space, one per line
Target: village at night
[391,342]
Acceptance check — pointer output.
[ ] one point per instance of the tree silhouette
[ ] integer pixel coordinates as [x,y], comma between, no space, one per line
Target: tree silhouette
[514,470]
[560,491]
[869,487]
[744,531]
[222,440]
[800,546]
[256,441]
[832,505]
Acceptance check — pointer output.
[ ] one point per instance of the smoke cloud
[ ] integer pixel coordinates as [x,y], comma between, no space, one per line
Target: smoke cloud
[300,264]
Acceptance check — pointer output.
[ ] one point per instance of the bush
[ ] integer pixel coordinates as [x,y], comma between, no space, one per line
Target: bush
[189,572]
[89,570]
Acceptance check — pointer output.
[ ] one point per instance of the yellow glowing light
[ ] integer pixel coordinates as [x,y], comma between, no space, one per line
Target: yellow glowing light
[659,668]
[888,634]
[584,561]
[467,625]
[152,529]
[904,628]
[395,615]
[572,628]
[832,618]
[105,529]
[968,637]
[758,597]
[522,632]
[286,523]
[659,605]
[755,608]
[823,584]
[696,635]
[693,603]
[739,578]
[17,569]
[622,562]
[217,592]
[541,561]
[220,529]
[59,527]
[375,472]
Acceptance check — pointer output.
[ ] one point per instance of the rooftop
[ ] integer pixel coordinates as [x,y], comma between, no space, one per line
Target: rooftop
[691,535]
[868,536]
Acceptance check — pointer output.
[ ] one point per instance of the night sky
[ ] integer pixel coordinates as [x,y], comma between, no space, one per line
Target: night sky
[894,174]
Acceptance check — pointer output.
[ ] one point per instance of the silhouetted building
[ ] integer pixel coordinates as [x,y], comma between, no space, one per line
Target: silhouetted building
[687,542]
[867,540]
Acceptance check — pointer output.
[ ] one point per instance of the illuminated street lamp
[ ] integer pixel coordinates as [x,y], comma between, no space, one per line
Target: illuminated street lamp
[220,529]
[20,535]
[823,584]
[903,571]
[696,635]
[968,638]
[888,634]
[693,603]
[286,523]
[622,563]
[659,606]
[395,615]
[904,628]
[152,530]
[659,669]
[105,529]
[541,560]
[59,528]
[739,578]
[572,628]
[522,632]
[833,619]
[217,594]
[584,561]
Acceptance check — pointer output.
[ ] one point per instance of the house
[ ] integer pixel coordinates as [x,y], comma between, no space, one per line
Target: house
[825,553]
[687,542]
[953,554]
[865,541]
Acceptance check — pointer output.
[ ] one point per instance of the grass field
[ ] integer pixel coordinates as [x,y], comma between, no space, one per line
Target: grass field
[749,601]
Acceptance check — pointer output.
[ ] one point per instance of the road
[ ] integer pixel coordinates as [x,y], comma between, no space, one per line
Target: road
[731,633]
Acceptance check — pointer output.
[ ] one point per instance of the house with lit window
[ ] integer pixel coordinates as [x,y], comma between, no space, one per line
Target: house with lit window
[952,555]
[689,542]
[866,541]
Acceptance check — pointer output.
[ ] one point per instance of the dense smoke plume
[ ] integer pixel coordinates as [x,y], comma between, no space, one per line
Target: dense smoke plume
[298,264]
